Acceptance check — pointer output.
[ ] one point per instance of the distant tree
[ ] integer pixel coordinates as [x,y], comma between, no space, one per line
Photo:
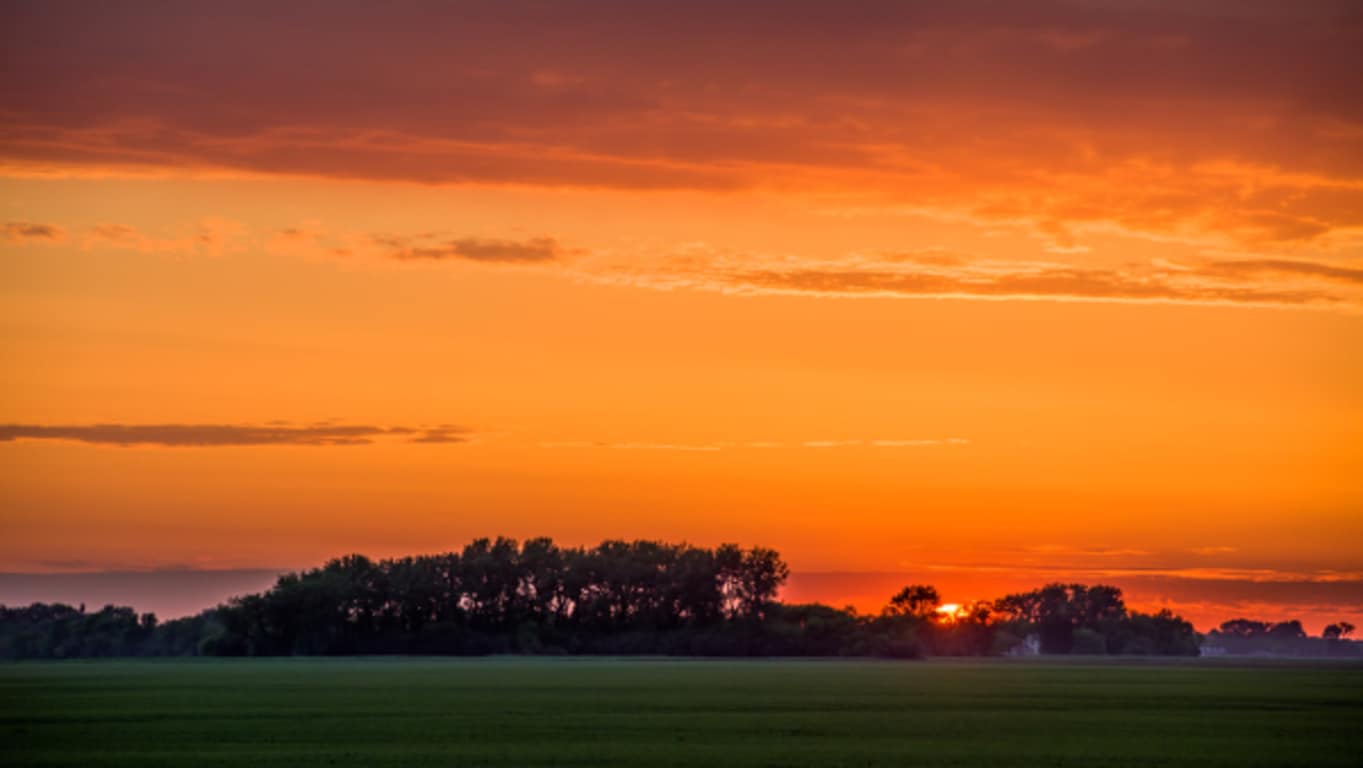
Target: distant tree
[1097,604]
[915,600]
[763,574]
[1337,631]
[1287,630]
[1244,628]
[696,588]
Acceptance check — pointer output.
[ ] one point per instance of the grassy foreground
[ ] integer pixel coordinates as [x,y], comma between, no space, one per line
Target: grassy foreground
[599,712]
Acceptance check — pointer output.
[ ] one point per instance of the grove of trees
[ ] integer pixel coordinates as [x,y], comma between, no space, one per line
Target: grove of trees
[619,597]
[1247,637]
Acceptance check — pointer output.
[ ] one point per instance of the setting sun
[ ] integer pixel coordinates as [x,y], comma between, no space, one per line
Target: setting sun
[948,612]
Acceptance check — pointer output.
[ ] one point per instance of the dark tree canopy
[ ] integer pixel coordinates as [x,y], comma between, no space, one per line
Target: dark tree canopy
[619,597]
[1093,619]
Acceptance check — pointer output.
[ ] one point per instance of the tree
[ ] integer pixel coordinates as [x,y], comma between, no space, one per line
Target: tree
[1287,630]
[1337,631]
[916,600]
[763,574]
[1244,628]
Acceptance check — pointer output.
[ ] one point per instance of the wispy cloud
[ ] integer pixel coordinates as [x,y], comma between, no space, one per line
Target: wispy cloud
[1253,267]
[757,444]
[227,435]
[904,274]
[1247,574]
[1213,550]
[918,443]
[207,237]
[425,248]
[939,276]
[27,232]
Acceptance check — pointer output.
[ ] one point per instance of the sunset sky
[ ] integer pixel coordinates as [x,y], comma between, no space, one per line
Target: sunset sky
[975,294]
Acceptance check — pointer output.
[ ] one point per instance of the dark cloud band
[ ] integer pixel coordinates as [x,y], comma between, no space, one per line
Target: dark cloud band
[227,435]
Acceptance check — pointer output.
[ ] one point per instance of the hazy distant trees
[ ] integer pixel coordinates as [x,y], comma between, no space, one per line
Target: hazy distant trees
[58,631]
[1284,638]
[1057,611]
[1337,631]
[1075,618]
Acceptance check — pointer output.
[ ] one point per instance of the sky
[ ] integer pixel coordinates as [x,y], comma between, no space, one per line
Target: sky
[979,294]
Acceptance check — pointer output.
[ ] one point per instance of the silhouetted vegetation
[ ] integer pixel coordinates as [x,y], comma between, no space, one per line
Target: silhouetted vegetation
[641,597]
[1247,637]
[1074,618]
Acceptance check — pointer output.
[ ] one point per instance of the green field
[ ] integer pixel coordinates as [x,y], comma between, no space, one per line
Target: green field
[598,712]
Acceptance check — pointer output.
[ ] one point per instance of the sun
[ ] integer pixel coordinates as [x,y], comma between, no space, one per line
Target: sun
[948,612]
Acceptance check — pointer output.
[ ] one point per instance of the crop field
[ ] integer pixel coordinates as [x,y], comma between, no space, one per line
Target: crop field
[603,712]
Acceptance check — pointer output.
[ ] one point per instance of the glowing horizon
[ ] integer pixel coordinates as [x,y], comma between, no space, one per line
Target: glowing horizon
[978,295]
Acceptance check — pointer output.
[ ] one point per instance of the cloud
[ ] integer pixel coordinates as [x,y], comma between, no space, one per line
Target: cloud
[1069,283]
[539,249]
[216,236]
[1213,550]
[207,237]
[1285,267]
[27,231]
[1197,573]
[445,433]
[707,447]
[1242,282]
[1231,120]
[918,443]
[227,435]
[924,273]
[757,444]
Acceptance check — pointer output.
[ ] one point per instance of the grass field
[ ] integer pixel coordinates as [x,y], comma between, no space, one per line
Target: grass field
[600,712]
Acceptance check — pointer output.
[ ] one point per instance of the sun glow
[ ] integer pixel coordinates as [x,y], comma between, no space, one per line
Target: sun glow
[948,611]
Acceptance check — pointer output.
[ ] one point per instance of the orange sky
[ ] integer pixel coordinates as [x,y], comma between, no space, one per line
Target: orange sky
[982,295]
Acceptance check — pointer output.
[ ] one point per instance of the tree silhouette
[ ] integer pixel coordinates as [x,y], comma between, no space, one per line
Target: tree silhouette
[917,600]
[618,597]
[1338,631]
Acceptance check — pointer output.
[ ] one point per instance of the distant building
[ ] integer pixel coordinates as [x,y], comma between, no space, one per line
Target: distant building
[1028,646]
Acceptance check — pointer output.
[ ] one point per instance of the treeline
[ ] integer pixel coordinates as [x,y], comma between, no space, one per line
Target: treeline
[1247,637]
[640,597]
[1074,618]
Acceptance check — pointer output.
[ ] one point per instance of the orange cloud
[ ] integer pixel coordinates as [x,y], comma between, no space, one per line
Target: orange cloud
[213,237]
[472,249]
[226,435]
[28,232]
[1236,122]
[936,275]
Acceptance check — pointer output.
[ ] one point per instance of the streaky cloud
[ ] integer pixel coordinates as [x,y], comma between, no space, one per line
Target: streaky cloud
[27,231]
[538,249]
[1039,126]
[1282,283]
[227,435]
